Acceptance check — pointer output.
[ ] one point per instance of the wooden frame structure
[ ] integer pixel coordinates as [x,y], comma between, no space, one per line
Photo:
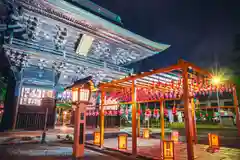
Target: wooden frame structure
[176,78]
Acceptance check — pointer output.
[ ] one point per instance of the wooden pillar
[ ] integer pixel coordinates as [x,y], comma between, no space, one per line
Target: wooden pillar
[187,113]
[194,121]
[139,120]
[134,121]
[162,119]
[235,101]
[102,119]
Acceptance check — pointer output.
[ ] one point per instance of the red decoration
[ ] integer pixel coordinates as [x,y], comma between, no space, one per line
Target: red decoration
[148,112]
[97,113]
[174,110]
[115,112]
[110,113]
[105,113]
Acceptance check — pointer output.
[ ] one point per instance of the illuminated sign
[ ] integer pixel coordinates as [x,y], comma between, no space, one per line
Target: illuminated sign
[33,96]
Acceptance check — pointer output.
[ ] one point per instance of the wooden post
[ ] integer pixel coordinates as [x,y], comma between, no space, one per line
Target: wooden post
[102,119]
[194,121]
[139,116]
[235,101]
[187,112]
[162,119]
[134,121]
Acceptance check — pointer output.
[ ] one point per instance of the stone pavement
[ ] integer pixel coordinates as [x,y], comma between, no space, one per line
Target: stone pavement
[47,152]
[51,135]
[151,148]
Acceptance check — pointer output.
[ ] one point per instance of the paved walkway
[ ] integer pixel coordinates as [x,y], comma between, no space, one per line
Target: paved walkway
[46,152]
[151,148]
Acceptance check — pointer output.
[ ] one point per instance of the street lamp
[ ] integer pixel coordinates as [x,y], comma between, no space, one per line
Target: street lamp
[216,80]
[81,93]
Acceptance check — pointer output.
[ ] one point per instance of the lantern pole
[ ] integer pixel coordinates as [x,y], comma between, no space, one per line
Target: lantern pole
[235,101]
[134,121]
[187,112]
[139,116]
[102,119]
[194,121]
[162,119]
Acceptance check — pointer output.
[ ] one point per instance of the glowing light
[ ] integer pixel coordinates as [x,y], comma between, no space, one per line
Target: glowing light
[216,80]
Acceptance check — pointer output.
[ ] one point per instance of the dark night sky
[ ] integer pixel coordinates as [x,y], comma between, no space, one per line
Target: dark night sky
[200,31]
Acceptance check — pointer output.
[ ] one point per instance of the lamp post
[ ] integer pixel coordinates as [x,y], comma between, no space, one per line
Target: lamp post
[81,93]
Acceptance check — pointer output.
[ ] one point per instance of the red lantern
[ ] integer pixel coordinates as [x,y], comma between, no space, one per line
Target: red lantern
[105,113]
[115,112]
[89,113]
[86,113]
[200,114]
[148,112]
[156,112]
[165,111]
[174,110]
[206,114]
[110,113]
[97,113]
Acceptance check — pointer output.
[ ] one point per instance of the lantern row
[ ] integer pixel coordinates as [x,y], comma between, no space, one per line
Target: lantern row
[106,113]
[144,94]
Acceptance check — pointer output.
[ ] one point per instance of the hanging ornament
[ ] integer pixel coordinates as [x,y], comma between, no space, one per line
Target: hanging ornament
[148,113]
[115,113]
[126,110]
[97,113]
[105,113]
[165,112]
[174,110]
[93,113]
[121,111]
[89,113]
[110,113]
[156,113]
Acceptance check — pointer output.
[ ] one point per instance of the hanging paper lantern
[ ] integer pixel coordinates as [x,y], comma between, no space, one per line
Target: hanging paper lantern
[201,115]
[93,113]
[174,110]
[206,114]
[165,112]
[115,113]
[156,113]
[110,113]
[140,111]
[97,113]
[148,112]
[105,113]
[119,112]
[126,110]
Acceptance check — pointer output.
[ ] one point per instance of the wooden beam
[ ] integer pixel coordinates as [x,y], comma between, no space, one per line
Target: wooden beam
[145,74]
